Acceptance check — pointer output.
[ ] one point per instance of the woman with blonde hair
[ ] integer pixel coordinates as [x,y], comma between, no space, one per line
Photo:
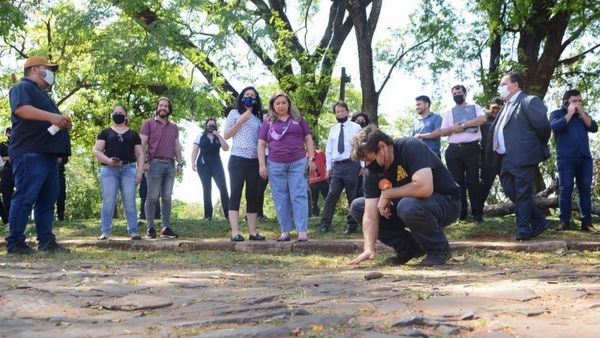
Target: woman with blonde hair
[289,139]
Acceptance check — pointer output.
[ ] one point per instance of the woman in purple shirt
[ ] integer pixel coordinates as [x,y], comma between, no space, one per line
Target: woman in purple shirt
[289,139]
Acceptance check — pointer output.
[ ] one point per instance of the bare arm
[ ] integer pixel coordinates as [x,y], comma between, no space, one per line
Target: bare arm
[310,149]
[229,133]
[262,166]
[370,226]
[98,151]
[146,165]
[222,141]
[140,158]
[28,112]
[421,186]
[195,151]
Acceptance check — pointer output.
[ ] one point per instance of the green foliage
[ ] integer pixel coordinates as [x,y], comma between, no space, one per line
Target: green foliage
[83,186]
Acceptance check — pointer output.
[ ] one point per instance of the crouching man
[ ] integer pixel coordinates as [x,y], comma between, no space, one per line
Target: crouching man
[409,197]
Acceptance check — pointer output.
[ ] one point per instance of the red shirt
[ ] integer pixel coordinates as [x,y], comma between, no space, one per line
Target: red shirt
[319,174]
[162,138]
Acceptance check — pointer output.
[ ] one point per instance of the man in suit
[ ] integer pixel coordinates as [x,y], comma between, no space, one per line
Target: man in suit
[520,137]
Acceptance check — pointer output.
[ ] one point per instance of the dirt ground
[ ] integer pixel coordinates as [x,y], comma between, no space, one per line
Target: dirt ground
[47,298]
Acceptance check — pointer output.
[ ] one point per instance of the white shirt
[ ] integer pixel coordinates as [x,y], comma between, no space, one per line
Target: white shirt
[504,117]
[245,141]
[331,151]
[464,137]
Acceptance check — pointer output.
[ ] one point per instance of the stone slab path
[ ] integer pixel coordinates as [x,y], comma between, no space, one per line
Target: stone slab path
[46,298]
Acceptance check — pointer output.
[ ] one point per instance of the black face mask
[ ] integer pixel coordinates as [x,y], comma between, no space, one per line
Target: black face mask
[362,124]
[342,119]
[118,118]
[459,99]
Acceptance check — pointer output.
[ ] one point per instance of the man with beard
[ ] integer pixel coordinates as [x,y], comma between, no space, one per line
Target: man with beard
[342,171]
[160,142]
[407,187]
[426,124]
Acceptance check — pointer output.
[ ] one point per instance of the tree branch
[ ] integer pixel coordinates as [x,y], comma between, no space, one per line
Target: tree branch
[398,59]
[573,59]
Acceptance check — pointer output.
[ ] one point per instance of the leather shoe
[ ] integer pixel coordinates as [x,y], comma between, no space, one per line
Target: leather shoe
[564,226]
[403,257]
[350,229]
[436,258]
[589,228]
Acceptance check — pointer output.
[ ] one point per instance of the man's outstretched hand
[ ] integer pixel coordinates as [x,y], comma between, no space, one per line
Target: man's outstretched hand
[363,257]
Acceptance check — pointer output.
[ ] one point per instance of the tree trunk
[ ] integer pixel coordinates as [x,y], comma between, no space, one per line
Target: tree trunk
[544,203]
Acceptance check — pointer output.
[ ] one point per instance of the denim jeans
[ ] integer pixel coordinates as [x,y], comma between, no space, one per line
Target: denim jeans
[579,169]
[289,188]
[113,180]
[36,180]
[160,179]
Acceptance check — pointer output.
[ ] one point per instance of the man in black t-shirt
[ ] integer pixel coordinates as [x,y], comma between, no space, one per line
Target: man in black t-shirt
[406,186]
[7,183]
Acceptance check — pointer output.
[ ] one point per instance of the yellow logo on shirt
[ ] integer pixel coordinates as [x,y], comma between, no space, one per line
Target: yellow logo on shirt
[400,173]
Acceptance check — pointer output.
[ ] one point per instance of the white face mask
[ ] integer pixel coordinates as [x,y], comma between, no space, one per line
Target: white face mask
[503,90]
[49,78]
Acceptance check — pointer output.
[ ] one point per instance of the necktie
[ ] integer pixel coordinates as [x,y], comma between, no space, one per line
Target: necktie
[500,124]
[341,139]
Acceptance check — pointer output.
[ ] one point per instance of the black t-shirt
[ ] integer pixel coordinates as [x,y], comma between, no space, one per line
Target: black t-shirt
[29,136]
[118,145]
[4,152]
[209,149]
[411,155]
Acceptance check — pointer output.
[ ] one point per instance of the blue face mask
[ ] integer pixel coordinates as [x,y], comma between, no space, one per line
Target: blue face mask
[249,101]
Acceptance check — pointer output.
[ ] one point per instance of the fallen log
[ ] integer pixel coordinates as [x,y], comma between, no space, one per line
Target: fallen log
[544,203]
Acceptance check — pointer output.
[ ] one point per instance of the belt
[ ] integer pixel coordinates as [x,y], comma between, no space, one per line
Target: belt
[163,159]
[463,144]
[343,161]
[122,163]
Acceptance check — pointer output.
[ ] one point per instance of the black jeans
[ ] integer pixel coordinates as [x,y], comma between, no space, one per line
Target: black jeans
[426,219]
[344,175]
[260,198]
[463,160]
[7,188]
[62,193]
[212,169]
[316,189]
[243,170]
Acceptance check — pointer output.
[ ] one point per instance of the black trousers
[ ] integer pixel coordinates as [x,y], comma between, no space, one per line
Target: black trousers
[260,198]
[62,193]
[243,171]
[344,175]
[7,188]
[463,161]
[426,219]
[489,171]
[517,182]
[316,189]
[208,170]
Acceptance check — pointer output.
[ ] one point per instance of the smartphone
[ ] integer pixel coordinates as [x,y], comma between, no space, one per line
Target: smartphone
[115,159]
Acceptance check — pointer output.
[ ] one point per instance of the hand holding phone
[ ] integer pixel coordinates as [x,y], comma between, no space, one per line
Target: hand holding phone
[115,161]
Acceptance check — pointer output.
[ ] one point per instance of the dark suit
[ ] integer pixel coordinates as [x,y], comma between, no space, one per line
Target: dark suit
[526,135]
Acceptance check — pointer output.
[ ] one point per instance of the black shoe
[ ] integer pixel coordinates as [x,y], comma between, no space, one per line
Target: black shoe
[589,228]
[167,233]
[324,228]
[436,258]
[403,257]
[523,237]
[237,238]
[350,229]
[19,249]
[256,237]
[136,237]
[151,233]
[536,231]
[52,246]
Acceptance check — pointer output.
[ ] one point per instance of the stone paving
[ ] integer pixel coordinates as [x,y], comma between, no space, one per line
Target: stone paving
[46,299]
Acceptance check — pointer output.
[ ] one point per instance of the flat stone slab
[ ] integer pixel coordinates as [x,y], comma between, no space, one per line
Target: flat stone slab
[133,303]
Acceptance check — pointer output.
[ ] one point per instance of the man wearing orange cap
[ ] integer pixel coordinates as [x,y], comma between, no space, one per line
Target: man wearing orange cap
[39,136]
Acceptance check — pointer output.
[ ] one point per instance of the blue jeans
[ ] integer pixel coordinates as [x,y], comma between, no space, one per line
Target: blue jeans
[112,180]
[160,179]
[579,169]
[36,180]
[289,188]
